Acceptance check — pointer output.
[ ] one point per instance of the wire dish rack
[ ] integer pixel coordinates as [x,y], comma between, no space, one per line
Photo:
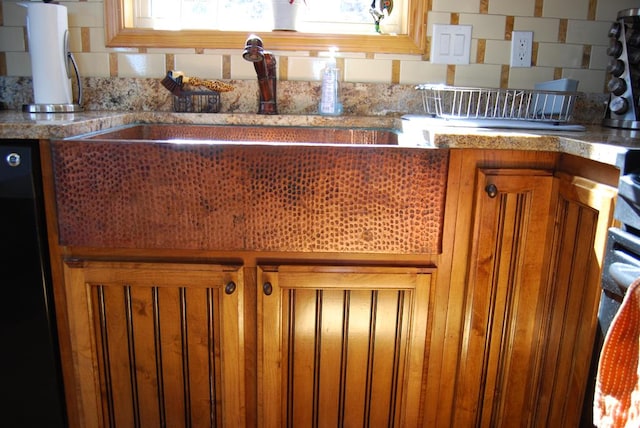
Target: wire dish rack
[453,102]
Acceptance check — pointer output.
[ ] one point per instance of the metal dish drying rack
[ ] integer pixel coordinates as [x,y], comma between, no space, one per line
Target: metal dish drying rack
[452,102]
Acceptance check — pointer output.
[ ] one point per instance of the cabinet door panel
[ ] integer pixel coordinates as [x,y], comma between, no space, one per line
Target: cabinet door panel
[117,399]
[332,330]
[352,345]
[162,350]
[498,374]
[585,212]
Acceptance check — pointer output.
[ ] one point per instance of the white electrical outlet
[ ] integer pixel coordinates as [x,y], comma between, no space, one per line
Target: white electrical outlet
[521,48]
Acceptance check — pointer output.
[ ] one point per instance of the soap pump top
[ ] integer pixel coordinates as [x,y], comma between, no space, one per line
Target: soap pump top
[329,102]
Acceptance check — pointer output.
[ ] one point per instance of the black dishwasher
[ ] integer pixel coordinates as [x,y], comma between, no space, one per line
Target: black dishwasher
[30,380]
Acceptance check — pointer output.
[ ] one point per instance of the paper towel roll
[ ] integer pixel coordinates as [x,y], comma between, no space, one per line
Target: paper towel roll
[47,29]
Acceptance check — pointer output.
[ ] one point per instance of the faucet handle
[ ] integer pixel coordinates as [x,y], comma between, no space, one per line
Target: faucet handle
[253,49]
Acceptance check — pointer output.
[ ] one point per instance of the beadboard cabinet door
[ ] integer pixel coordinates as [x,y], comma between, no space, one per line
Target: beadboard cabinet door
[499,370]
[341,346]
[157,344]
[532,298]
[584,214]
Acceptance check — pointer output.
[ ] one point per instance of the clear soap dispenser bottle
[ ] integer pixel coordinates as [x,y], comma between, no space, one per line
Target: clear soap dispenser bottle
[329,102]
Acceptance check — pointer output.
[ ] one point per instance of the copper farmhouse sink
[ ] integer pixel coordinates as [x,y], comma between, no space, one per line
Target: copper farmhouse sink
[246,134]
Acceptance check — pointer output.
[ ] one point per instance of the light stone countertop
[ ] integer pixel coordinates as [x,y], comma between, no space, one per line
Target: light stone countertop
[595,142]
[19,125]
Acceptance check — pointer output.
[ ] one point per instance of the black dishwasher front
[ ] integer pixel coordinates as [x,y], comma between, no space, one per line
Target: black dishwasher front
[30,375]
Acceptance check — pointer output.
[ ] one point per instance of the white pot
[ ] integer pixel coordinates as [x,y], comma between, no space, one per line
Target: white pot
[285,15]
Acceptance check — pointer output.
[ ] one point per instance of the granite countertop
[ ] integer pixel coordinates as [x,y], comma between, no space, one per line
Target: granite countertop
[594,142]
[16,124]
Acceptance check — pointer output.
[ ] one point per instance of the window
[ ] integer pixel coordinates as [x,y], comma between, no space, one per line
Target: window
[341,16]
[122,31]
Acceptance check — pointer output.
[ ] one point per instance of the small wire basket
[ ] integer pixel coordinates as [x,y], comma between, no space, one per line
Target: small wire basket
[484,103]
[197,102]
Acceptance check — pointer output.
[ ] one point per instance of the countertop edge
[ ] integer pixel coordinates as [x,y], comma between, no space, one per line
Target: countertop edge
[597,143]
[19,125]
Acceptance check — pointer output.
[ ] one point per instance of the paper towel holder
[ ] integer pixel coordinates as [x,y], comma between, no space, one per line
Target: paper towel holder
[47,21]
[61,108]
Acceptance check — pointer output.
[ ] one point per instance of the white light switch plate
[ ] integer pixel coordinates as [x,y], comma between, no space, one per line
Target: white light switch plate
[451,44]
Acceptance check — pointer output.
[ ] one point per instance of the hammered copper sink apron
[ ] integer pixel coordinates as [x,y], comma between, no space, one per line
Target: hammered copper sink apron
[133,191]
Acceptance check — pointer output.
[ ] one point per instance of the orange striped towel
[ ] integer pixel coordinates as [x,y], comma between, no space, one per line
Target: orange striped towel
[617,396]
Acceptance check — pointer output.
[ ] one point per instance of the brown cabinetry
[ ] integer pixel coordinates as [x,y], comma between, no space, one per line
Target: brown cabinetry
[583,214]
[478,311]
[160,344]
[342,346]
[530,293]
[505,300]
[156,344]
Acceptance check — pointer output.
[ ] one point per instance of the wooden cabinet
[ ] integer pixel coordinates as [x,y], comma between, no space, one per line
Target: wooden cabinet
[163,344]
[342,346]
[156,344]
[531,293]
[505,300]
[584,212]
[305,332]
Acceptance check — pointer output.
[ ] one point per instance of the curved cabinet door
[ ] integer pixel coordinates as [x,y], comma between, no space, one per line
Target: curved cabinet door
[156,344]
[341,346]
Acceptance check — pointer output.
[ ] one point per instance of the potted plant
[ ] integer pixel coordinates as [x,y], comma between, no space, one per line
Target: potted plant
[285,14]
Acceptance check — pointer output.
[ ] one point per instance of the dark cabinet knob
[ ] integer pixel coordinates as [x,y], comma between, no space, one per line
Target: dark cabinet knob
[491,190]
[267,288]
[230,287]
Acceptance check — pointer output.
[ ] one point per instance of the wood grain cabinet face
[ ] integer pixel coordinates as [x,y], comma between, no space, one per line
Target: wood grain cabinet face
[157,344]
[532,297]
[583,216]
[341,346]
[497,377]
